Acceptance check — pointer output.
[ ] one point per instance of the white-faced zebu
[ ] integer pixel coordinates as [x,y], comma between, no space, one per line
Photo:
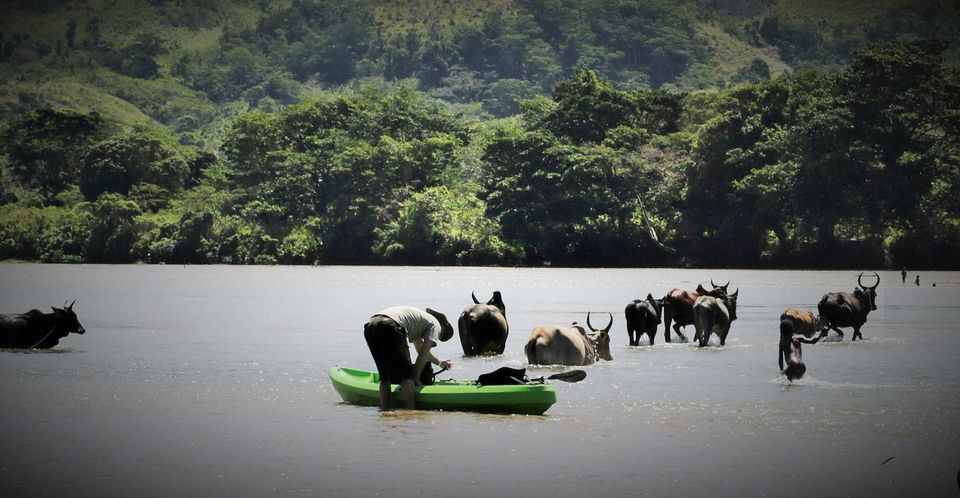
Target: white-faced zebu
[558,345]
[714,314]
[643,317]
[38,330]
[848,309]
[678,308]
[483,327]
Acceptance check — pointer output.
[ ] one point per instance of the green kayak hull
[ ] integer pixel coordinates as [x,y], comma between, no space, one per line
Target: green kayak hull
[361,387]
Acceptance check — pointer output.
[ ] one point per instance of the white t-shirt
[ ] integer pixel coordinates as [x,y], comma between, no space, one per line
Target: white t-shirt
[419,324]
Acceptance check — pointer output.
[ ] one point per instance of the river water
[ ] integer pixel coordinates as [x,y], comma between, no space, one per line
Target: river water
[211,381]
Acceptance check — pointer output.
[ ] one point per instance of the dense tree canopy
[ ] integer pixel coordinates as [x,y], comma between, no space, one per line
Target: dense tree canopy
[854,167]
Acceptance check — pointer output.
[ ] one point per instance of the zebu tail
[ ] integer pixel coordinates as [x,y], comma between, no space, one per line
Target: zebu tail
[530,349]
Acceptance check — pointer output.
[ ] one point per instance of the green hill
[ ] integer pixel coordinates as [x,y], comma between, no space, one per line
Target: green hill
[189,65]
[538,132]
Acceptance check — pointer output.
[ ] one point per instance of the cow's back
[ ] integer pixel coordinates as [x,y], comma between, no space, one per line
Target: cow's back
[642,316]
[705,312]
[679,304]
[634,314]
[555,345]
[484,328]
[802,322]
[835,308]
[17,329]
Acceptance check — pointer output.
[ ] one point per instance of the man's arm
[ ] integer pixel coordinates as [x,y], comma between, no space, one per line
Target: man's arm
[780,355]
[423,356]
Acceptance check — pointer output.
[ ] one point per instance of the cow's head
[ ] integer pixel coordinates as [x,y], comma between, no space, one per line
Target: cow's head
[732,304]
[496,300]
[716,291]
[868,294]
[67,320]
[601,338]
[656,304]
[722,288]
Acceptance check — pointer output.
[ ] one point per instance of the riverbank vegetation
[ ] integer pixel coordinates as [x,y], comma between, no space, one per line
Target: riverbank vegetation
[509,133]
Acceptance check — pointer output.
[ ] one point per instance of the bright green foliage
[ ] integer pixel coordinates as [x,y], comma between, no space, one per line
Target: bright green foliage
[119,163]
[562,198]
[859,166]
[303,244]
[441,226]
[341,159]
[112,233]
[730,200]
[832,166]
[45,147]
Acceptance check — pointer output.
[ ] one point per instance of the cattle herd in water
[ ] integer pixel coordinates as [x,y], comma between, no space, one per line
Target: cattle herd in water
[483,327]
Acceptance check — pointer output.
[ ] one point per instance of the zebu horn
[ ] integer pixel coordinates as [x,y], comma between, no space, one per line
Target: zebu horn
[859,282]
[497,300]
[607,328]
[589,324]
[878,280]
[71,304]
[474,298]
[724,286]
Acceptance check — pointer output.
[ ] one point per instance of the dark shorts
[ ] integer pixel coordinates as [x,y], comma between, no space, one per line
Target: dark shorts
[387,341]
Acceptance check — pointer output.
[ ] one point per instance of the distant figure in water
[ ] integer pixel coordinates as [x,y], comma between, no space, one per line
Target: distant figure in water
[917,281]
[903,275]
[790,349]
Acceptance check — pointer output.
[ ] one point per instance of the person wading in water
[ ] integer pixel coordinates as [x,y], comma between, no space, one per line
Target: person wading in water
[387,334]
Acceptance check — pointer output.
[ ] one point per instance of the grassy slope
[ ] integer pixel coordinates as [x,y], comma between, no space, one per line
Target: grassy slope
[724,56]
[830,18]
[69,80]
[401,15]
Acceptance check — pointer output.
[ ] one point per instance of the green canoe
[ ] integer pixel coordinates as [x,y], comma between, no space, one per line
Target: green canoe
[361,387]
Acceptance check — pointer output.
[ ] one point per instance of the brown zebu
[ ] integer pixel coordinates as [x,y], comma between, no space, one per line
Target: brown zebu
[800,322]
[559,345]
[714,315]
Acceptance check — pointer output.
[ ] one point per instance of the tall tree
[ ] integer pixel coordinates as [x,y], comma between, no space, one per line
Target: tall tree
[45,147]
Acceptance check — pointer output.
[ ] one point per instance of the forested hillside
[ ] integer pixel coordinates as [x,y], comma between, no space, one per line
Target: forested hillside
[552,132]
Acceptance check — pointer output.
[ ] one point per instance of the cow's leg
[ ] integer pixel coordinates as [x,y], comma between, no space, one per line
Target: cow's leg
[666,328]
[651,336]
[676,328]
[856,334]
[723,337]
[838,331]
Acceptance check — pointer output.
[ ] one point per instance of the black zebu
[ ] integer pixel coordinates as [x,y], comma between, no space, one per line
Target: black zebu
[483,327]
[848,309]
[38,330]
[643,317]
